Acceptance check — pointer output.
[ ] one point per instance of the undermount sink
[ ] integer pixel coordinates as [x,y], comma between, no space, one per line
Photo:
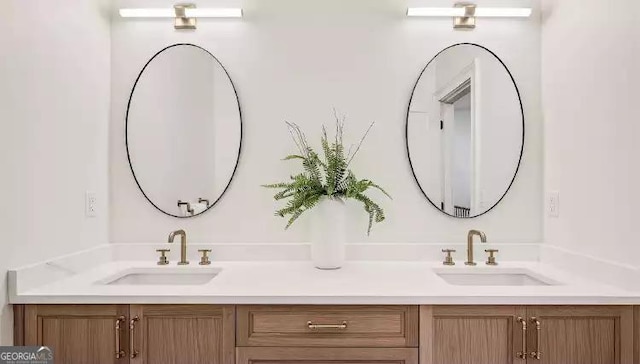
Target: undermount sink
[163,276]
[492,277]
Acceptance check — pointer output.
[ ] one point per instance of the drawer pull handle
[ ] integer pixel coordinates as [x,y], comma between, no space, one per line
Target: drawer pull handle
[536,354]
[312,326]
[119,352]
[523,354]
[132,330]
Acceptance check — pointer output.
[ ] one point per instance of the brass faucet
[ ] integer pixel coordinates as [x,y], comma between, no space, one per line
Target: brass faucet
[483,238]
[183,245]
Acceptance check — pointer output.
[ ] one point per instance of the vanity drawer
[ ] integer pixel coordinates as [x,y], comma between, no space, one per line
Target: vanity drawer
[327,326]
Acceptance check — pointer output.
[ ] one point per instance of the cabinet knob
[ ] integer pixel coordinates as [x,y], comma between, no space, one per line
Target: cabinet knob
[163,260]
[491,260]
[448,260]
[204,260]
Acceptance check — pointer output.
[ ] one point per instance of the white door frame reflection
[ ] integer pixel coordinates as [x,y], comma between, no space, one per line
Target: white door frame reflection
[457,102]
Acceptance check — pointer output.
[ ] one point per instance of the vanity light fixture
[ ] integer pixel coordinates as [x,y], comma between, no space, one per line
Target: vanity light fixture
[185,15]
[465,14]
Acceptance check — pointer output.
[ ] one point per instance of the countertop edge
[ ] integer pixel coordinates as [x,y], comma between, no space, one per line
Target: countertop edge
[331,300]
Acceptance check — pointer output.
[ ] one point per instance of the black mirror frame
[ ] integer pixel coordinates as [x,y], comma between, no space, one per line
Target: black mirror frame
[126,130]
[515,174]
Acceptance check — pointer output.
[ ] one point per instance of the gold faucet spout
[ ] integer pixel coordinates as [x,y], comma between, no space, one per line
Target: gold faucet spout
[483,239]
[183,245]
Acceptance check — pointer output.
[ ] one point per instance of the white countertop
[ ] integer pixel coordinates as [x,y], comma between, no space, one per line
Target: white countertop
[298,282]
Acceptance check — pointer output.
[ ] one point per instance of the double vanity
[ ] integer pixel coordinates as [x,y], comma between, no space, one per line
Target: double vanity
[197,309]
[267,304]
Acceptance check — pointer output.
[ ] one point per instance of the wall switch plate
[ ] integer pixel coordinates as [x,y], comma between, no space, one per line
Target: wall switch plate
[90,204]
[553,204]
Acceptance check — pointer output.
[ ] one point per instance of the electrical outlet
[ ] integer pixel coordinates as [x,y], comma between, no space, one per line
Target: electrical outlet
[90,204]
[553,204]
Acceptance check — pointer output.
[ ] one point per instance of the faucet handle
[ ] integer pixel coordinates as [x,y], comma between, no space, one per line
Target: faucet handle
[163,260]
[448,260]
[204,260]
[491,260]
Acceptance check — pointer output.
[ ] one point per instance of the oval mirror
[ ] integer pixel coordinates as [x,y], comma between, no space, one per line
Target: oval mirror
[465,130]
[183,130]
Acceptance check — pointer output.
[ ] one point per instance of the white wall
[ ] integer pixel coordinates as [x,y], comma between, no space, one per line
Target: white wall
[295,60]
[590,59]
[54,102]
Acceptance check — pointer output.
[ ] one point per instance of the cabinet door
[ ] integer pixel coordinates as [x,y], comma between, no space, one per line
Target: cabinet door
[78,333]
[179,334]
[471,334]
[580,335]
[263,355]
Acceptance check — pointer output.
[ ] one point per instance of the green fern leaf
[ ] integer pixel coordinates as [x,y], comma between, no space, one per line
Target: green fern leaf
[293,156]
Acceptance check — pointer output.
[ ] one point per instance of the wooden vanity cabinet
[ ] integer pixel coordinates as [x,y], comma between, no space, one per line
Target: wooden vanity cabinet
[164,334]
[581,335]
[177,334]
[78,334]
[327,334]
[494,334]
[136,334]
[471,334]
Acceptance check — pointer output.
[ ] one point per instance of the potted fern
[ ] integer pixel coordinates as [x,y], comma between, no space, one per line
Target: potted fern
[324,185]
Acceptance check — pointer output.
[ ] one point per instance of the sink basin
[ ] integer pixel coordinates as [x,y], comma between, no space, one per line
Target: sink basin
[493,277]
[163,276]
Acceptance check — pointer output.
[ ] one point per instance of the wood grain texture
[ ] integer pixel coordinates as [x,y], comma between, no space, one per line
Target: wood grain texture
[258,355]
[583,335]
[426,335]
[18,325]
[367,326]
[636,334]
[179,334]
[76,333]
[472,335]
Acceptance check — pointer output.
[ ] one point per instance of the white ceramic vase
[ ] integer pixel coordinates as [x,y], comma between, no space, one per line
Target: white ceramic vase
[329,229]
